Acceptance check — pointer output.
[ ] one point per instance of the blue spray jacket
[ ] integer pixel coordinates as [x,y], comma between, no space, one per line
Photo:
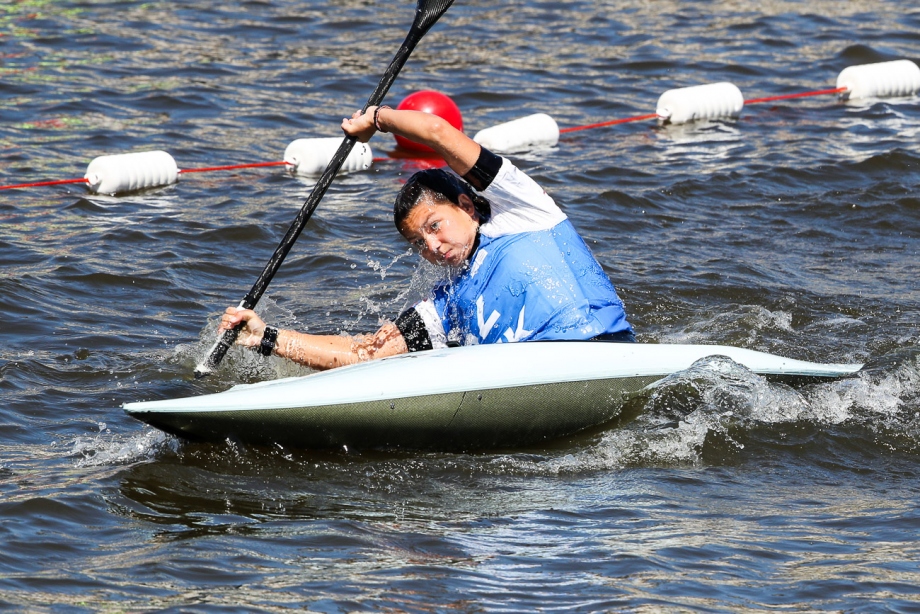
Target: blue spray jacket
[531,277]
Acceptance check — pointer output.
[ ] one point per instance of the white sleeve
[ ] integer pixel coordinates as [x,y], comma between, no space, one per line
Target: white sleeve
[432,320]
[518,203]
[421,327]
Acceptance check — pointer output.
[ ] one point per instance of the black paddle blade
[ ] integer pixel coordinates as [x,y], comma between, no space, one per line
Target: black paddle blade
[217,352]
[427,14]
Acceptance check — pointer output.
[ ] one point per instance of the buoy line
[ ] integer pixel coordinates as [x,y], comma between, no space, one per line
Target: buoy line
[130,172]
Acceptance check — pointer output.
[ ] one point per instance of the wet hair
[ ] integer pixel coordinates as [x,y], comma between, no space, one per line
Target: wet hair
[436,184]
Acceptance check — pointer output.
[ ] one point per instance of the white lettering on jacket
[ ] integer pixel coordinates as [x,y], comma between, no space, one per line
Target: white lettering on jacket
[477,261]
[520,333]
[485,326]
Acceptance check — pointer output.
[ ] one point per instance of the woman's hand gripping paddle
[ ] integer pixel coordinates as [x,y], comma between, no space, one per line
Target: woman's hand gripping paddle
[427,13]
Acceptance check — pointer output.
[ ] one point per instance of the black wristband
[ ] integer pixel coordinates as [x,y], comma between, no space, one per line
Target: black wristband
[269,337]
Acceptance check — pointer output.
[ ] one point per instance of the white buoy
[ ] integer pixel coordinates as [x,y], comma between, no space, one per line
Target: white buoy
[537,130]
[312,156]
[880,80]
[131,172]
[710,101]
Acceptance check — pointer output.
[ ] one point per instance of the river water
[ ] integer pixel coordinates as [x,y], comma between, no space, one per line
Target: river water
[793,230]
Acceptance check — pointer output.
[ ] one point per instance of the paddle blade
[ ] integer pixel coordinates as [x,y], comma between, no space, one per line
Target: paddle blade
[216,353]
[428,12]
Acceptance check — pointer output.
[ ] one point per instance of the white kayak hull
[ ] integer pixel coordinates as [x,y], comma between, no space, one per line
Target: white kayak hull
[486,396]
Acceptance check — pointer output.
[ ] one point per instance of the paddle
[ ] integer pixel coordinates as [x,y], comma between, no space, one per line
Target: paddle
[427,13]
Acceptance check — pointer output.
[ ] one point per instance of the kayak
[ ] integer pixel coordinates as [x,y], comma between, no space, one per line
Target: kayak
[465,398]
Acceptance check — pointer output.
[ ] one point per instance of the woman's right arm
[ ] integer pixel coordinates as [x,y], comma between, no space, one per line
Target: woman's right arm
[319,352]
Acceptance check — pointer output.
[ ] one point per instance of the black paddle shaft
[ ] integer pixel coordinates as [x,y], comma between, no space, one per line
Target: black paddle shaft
[427,13]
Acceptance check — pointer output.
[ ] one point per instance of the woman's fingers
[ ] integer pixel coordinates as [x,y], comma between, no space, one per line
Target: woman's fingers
[360,125]
[230,319]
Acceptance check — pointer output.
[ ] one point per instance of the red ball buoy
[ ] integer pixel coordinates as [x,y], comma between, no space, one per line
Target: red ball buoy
[432,102]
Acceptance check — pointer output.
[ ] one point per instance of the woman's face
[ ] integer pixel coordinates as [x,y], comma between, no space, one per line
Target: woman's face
[444,233]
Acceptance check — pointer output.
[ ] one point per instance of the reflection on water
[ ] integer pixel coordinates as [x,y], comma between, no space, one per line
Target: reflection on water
[792,229]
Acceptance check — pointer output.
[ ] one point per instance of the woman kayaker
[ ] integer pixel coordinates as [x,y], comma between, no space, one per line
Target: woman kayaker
[518,269]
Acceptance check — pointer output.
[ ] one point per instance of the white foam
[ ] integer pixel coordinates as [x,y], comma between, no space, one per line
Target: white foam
[751,320]
[107,448]
[705,404]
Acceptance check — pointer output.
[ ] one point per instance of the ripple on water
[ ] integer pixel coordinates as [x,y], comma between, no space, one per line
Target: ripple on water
[792,229]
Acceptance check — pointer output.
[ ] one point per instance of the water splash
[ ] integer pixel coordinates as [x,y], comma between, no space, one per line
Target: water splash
[745,325]
[383,269]
[883,396]
[717,409]
[243,364]
[108,448]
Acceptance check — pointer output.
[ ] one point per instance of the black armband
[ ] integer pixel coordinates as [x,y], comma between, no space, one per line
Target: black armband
[413,330]
[485,170]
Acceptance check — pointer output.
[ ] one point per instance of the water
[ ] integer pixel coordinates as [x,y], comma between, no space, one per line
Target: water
[792,230]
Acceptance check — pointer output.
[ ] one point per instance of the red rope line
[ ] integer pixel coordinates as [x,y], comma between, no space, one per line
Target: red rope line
[837,90]
[232,167]
[43,183]
[637,118]
[828,92]
[187,170]
[610,123]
